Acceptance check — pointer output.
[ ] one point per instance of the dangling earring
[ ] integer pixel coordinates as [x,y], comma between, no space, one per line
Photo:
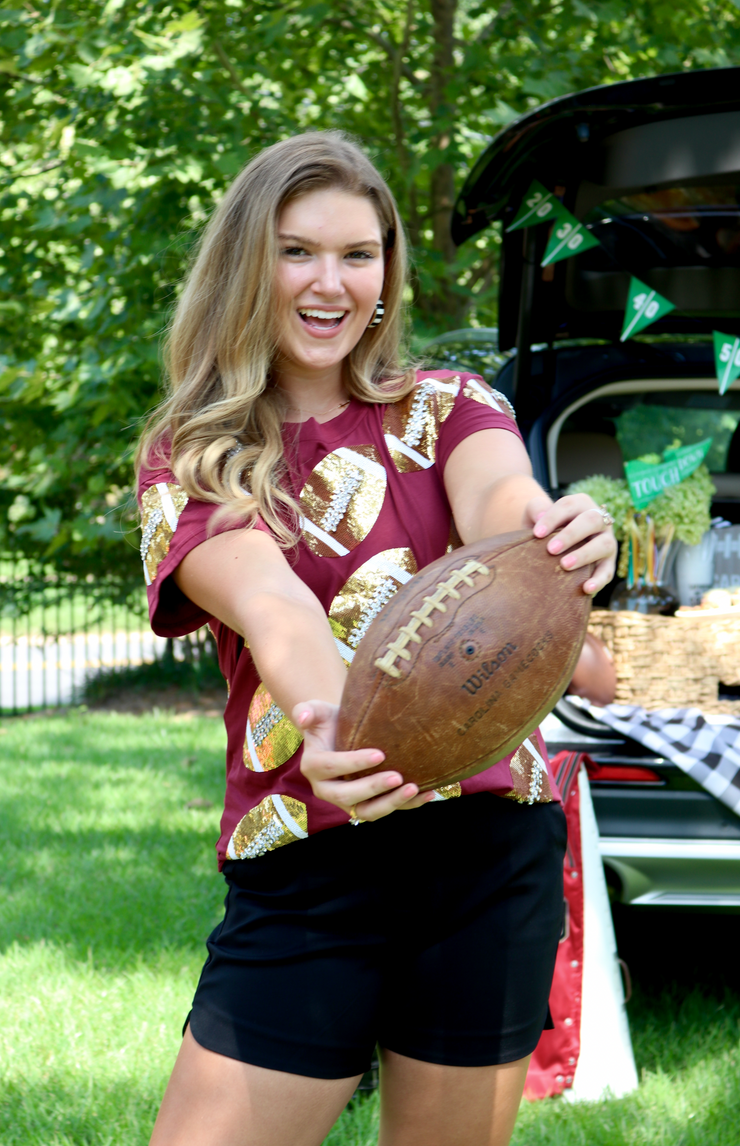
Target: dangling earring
[377,314]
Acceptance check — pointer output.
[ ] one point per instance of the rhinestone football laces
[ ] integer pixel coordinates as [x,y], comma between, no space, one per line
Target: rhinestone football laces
[380,597]
[341,498]
[535,782]
[266,723]
[149,530]
[417,414]
[265,840]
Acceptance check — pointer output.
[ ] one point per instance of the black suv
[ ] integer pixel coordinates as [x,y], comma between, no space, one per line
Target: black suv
[652,168]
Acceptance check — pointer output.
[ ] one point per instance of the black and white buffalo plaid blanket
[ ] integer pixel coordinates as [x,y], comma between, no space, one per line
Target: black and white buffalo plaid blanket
[706,748]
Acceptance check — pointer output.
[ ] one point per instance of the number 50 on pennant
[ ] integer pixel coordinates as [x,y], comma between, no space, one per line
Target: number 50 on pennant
[726,359]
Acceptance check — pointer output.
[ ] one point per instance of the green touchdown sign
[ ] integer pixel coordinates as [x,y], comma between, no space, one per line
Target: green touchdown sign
[647,480]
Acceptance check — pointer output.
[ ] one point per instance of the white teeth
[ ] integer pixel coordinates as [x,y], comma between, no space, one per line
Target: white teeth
[321,313]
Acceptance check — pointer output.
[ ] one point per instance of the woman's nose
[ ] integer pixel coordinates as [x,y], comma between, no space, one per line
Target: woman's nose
[328,277]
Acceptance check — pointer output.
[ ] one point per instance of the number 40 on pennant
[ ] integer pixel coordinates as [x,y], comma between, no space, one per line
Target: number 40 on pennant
[644,305]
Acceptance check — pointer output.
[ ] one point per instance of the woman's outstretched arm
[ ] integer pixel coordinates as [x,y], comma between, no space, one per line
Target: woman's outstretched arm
[489,483]
[243,579]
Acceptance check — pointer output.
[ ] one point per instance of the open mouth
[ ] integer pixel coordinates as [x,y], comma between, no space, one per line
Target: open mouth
[322,319]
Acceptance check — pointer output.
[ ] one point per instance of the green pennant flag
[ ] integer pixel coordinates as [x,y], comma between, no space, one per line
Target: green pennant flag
[648,479]
[538,206]
[644,305]
[568,238]
[726,358]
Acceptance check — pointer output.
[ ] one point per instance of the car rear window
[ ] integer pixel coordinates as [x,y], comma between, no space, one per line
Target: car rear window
[675,227]
[647,423]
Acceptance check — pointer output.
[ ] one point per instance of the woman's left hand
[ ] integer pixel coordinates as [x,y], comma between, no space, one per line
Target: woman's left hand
[583,525]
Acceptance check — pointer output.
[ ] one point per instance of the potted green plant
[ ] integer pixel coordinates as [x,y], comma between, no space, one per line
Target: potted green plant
[649,538]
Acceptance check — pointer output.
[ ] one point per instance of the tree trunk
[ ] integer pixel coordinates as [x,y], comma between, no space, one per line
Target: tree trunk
[445,306]
[443,176]
[402,148]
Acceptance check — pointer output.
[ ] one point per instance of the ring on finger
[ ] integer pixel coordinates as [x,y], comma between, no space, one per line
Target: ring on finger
[354,819]
[606,517]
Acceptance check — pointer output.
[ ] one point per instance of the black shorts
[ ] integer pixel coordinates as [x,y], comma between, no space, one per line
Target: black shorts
[432,932]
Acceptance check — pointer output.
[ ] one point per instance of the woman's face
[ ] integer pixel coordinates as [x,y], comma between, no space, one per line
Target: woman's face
[329,278]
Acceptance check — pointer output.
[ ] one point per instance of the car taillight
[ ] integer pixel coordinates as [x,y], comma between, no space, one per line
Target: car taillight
[627,774]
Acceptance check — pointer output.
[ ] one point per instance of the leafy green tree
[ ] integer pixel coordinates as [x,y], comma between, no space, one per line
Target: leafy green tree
[121,124]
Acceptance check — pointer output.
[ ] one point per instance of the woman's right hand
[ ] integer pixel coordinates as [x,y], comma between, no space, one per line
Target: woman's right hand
[330,773]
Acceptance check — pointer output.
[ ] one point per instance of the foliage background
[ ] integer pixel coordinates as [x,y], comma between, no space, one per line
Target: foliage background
[123,122]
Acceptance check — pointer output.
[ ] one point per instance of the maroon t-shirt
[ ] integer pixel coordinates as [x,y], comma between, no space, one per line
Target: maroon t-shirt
[370,486]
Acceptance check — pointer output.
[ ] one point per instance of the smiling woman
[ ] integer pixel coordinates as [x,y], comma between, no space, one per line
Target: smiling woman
[226,407]
[294,479]
[329,280]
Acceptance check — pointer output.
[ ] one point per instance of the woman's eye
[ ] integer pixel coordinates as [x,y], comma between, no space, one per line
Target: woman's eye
[360,255]
[293,251]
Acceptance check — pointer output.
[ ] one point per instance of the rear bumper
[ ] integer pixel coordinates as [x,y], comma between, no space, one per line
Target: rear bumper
[673,872]
[667,844]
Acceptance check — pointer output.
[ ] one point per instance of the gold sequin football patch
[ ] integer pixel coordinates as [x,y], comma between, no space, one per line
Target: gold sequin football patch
[529,775]
[161,506]
[411,426]
[365,593]
[276,821]
[481,392]
[448,792]
[271,738]
[342,499]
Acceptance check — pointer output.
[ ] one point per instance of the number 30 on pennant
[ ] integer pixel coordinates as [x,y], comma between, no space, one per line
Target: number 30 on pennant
[575,239]
[567,239]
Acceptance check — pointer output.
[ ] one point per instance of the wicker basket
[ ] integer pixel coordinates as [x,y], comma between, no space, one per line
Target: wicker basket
[672,662]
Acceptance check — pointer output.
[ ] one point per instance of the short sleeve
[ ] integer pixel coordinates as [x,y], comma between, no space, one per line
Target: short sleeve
[171,525]
[477,407]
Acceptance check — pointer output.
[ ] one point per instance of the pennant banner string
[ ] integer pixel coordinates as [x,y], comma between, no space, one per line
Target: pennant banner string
[571,237]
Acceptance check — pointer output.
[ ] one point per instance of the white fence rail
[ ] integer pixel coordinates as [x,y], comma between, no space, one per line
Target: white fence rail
[48,671]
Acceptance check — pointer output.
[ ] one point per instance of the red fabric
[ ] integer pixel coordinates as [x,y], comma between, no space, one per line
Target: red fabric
[555,1058]
[414,514]
[624,774]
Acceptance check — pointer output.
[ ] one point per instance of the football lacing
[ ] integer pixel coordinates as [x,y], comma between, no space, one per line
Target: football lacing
[410,631]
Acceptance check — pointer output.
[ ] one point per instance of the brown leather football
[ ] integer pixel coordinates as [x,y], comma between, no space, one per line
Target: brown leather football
[465,660]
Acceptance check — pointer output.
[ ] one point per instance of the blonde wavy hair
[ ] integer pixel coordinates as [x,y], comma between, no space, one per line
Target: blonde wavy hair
[219,426]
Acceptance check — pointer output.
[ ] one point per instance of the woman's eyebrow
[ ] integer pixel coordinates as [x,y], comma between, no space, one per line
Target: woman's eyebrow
[363,243]
[309,243]
[295,239]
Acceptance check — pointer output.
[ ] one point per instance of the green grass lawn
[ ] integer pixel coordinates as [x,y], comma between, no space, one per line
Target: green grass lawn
[108,888]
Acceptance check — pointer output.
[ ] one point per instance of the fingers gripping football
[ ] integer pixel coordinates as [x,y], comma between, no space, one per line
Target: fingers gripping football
[330,772]
[585,530]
